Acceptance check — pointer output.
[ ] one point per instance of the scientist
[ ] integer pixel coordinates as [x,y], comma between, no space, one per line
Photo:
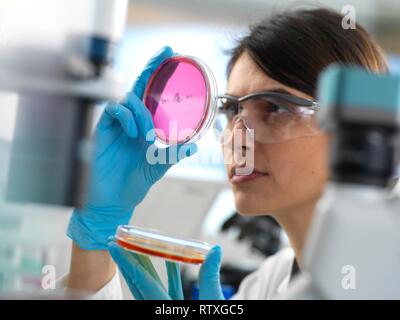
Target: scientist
[281,59]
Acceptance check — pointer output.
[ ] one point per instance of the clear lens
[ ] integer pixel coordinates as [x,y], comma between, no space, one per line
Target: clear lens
[273,120]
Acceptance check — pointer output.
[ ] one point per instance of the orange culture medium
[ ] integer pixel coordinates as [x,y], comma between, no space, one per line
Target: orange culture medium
[133,247]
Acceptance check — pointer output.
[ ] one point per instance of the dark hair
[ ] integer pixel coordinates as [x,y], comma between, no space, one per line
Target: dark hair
[294,46]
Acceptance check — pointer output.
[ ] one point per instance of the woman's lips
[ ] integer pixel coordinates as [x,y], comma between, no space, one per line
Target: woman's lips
[235,179]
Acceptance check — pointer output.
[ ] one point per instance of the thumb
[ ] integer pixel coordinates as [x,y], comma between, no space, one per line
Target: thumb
[209,282]
[141,82]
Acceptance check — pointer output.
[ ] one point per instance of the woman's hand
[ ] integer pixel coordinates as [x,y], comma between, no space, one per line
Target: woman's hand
[145,284]
[121,173]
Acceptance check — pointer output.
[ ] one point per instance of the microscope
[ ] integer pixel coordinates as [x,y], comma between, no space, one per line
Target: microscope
[352,250]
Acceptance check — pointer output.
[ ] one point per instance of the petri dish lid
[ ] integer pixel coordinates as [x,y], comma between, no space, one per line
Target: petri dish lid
[154,243]
[182,98]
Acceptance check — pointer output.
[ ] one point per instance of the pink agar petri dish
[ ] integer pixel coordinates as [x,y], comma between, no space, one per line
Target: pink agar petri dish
[181,97]
[157,244]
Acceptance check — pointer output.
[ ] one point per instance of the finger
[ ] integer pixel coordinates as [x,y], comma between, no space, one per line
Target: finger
[141,82]
[135,292]
[114,111]
[140,282]
[119,257]
[143,116]
[148,287]
[146,263]
[132,257]
[209,281]
[174,280]
[167,157]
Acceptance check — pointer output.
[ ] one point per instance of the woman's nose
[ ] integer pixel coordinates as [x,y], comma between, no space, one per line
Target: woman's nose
[239,122]
[241,134]
[236,132]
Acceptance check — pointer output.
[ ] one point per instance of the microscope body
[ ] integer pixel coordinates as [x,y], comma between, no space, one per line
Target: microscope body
[352,250]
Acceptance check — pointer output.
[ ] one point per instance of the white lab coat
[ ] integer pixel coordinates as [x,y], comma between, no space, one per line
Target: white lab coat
[268,281]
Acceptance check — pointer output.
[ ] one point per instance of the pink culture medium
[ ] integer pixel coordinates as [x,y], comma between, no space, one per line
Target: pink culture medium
[179,99]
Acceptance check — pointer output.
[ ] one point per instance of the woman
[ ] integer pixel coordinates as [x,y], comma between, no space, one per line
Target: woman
[282,54]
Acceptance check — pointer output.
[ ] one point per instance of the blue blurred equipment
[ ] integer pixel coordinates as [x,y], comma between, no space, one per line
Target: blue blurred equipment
[352,243]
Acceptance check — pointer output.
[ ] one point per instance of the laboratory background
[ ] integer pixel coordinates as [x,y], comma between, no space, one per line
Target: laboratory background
[194,199]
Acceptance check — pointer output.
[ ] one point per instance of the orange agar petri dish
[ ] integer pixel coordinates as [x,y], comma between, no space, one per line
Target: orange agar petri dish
[154,243]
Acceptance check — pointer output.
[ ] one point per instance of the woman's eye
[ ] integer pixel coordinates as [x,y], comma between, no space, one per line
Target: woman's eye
[230,108]
[275,108]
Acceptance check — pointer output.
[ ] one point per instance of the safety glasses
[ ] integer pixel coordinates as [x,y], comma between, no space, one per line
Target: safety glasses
[270,116]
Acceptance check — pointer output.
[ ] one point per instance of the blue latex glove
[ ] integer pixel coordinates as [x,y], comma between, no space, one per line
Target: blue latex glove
[142,278]
[144,282]
[209,283]
[121,174]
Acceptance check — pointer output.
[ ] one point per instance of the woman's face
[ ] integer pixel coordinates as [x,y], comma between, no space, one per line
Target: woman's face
[290,173]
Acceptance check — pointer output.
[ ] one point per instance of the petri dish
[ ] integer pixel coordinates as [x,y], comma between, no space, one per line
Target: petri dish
[182,98]
[154,243]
